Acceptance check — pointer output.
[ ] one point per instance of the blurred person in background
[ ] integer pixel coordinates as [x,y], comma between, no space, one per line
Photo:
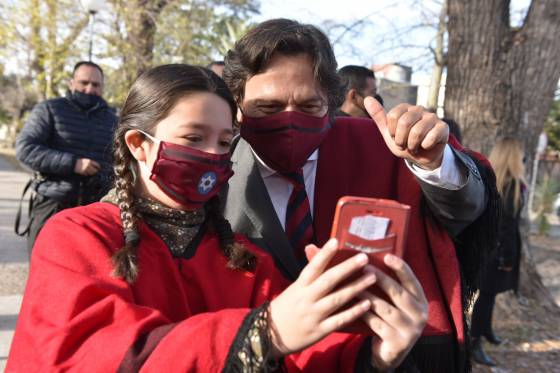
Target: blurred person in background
[359,83]
[67,141]
[217,67]
[502,270]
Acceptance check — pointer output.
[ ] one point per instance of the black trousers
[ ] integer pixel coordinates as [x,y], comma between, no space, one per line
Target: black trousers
[482,314]
[43,209]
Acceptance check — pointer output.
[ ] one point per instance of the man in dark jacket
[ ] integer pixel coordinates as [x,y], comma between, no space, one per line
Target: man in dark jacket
[294,160]
[66,141]
[359,83]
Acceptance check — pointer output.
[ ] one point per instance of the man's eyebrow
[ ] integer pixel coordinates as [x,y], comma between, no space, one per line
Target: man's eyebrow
[263,101]
[310,100]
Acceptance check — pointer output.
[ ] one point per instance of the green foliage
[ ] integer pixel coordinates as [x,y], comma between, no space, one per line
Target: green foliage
[193,31]
[37,36]
[544,201]
[552,127]
[44,38]
[184,31]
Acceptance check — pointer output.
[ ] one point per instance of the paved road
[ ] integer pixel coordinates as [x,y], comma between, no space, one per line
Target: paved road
[13,254]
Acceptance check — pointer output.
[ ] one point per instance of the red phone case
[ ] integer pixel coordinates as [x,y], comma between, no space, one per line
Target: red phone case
[354,226]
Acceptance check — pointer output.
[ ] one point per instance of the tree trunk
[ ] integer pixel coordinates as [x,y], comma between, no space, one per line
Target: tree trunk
[501,81]
[439,61]
[141,30]
[50,49]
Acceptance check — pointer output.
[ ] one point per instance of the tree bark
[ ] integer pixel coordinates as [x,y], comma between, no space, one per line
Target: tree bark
[439,61]
[141,30]
[501,81]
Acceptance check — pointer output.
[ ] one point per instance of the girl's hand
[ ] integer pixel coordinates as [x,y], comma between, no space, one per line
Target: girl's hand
[398,325]
[306,311]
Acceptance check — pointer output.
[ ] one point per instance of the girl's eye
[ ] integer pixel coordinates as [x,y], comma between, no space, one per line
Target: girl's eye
[225,144]
[193,138]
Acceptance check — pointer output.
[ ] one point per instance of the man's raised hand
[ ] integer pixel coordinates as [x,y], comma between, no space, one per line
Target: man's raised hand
[411,132]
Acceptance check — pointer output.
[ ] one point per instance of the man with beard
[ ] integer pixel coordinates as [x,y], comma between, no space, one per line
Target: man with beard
[295,159]
[66,141]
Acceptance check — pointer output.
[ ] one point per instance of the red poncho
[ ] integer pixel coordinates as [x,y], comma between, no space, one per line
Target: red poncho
[180,315]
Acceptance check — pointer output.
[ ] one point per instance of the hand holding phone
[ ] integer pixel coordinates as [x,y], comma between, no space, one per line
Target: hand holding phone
[376,227]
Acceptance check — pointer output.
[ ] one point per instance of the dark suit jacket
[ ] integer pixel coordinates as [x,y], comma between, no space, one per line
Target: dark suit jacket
[249,209]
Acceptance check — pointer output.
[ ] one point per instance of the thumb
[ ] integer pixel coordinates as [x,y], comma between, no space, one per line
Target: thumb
[377,113]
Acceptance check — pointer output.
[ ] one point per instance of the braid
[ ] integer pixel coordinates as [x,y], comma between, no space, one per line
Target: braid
[238,256]
[125,259]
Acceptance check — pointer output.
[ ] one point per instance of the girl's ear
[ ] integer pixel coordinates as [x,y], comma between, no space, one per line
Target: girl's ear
[137,144]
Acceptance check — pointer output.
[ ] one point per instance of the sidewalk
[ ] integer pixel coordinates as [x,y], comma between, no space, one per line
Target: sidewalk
[13,253]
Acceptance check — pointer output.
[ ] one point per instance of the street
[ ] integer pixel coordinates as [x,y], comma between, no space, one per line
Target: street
[13,253]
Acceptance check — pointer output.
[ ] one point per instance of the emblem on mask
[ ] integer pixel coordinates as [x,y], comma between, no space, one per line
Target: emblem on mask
[207,182]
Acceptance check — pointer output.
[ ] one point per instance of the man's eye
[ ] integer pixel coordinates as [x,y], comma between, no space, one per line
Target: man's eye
[311,108]
[269,108]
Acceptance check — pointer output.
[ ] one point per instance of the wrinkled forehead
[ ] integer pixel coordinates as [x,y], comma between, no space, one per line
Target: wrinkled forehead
[88,73]
[285,78]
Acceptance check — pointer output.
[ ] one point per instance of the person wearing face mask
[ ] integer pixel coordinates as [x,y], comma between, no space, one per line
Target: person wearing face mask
[359,83]
[153,278]
[294,160]
[66,142]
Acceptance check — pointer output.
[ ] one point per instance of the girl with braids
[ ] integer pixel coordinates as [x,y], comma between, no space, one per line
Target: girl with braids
[153,278]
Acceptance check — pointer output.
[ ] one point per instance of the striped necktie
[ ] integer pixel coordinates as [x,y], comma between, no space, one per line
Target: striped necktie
[299,223]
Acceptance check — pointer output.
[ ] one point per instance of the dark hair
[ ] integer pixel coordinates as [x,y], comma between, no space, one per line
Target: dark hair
[150,99]
[215,63]
[454,128]
[355,77]
[87,63]
[252,53]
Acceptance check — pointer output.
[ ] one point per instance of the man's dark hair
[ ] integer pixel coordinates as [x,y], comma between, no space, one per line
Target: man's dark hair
[215,63]
[87,63]
[355,77]
[252,53]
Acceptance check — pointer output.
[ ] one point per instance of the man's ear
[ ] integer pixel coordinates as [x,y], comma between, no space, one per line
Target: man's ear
[351,95]
[239,115]
[134,141]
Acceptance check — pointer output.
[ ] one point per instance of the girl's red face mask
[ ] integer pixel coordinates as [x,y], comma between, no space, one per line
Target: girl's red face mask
[189,176]
[285,140]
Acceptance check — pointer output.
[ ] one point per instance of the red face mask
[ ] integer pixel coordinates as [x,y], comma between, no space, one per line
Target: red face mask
[189,176]
[285,140]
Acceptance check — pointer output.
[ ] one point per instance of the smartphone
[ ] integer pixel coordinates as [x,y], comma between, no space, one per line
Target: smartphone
[376,227]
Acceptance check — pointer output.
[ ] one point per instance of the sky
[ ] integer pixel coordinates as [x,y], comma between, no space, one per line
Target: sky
[376,41]
[380,33]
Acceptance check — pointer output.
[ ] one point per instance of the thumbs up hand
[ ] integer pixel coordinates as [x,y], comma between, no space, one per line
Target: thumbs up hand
[411,132]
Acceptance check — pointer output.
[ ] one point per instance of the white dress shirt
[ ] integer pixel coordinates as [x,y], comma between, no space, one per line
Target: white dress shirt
[450,175]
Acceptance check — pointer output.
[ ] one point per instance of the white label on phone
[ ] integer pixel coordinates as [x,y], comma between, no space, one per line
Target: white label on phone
[369,227]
